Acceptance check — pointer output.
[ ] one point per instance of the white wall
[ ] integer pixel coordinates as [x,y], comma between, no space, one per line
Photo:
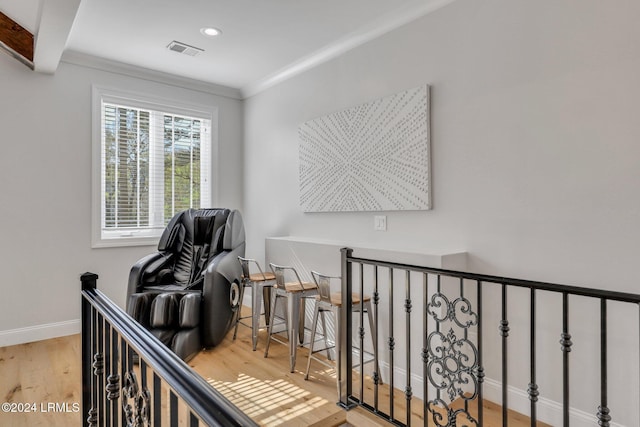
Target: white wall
[45,188]
[535,147]
[534,138]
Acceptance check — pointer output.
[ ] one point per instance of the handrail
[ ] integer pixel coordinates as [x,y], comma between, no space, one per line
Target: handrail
[203,400]
[522,283]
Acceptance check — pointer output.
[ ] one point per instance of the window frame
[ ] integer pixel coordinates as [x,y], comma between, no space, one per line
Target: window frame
[102,94]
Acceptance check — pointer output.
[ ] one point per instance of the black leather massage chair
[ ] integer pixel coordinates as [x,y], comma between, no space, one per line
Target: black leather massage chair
[187,293]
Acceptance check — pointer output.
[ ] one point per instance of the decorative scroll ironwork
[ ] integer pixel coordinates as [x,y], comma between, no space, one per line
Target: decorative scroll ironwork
[452,360]
[443,415]
[136,402]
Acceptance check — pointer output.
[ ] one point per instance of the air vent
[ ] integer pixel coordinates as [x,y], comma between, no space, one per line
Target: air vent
[184,48]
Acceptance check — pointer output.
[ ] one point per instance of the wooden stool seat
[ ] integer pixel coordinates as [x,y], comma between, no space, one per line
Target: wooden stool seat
[298,286]
[336,299]
[261,277]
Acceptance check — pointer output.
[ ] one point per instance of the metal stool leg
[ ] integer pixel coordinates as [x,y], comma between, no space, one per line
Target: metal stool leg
[274,306]
[256,305]
[314,326]
[326,335]
[336,317]
[374,335]
[270,331]
[239,314]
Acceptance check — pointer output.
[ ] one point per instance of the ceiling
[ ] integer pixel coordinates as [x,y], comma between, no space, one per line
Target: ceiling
[262,43]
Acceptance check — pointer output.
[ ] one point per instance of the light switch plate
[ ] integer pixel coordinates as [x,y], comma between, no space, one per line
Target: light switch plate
[380,223]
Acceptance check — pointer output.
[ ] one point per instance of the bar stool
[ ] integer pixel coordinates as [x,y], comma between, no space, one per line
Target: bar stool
[260,284]
[295,292]
[326,301]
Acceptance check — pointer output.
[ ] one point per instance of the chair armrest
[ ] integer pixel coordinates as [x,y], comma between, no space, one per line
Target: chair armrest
[141,269]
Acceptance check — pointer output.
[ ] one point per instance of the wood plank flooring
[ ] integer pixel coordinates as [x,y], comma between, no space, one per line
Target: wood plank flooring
[40,374]
[49,372]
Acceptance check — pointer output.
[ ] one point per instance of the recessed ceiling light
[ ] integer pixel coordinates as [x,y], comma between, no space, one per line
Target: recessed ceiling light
[210,31]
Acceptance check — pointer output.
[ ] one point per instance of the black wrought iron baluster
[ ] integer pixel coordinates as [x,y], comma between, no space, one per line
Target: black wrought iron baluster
[157,400]
[407,307]
[193,420]
[107,366]
[123,373]
[391,346]
[376,362]
[504,331]
[425,352]
[533,386]
[87,363]
[98,369]
[565,346]
[144,382]
[361,331]
[603,410]
[113,380]
[438,292]
[480,365]
[465,335]
[173,409]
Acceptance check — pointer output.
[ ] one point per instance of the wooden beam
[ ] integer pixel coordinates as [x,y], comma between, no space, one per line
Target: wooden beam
[16,40]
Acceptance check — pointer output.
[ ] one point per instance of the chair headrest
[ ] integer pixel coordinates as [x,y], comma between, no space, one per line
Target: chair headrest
[173,235]
[203,229]
[234,231]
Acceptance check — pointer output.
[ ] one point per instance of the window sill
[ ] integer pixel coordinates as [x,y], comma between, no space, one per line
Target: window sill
[124,242]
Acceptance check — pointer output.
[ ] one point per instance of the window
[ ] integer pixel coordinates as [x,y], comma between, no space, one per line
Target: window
[153,160]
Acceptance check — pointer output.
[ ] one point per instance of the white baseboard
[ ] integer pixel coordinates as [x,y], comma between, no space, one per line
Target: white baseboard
[39,332]
[549,411]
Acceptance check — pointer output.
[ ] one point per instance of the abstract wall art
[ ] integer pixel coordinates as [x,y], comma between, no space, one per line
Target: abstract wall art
[373,157]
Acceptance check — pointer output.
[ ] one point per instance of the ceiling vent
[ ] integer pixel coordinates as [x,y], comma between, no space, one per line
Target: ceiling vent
[185,49]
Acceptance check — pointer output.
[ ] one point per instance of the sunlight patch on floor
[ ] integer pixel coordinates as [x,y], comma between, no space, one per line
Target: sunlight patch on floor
[260,398]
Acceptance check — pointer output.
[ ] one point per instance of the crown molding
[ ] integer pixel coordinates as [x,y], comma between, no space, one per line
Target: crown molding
[354,39]
[90,61]
[388,23]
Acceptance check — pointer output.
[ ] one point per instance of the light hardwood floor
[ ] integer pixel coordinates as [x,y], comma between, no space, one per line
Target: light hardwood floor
[49,372]
[41,373]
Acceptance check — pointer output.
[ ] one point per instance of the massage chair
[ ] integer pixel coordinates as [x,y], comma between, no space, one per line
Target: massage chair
[187,292]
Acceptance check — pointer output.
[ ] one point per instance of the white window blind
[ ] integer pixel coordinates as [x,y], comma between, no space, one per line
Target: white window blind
[154,162]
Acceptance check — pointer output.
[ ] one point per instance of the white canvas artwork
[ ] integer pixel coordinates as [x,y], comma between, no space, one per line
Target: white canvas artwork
[373,157]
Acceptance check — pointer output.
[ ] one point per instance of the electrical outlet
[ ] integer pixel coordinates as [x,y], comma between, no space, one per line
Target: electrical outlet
[380,223]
